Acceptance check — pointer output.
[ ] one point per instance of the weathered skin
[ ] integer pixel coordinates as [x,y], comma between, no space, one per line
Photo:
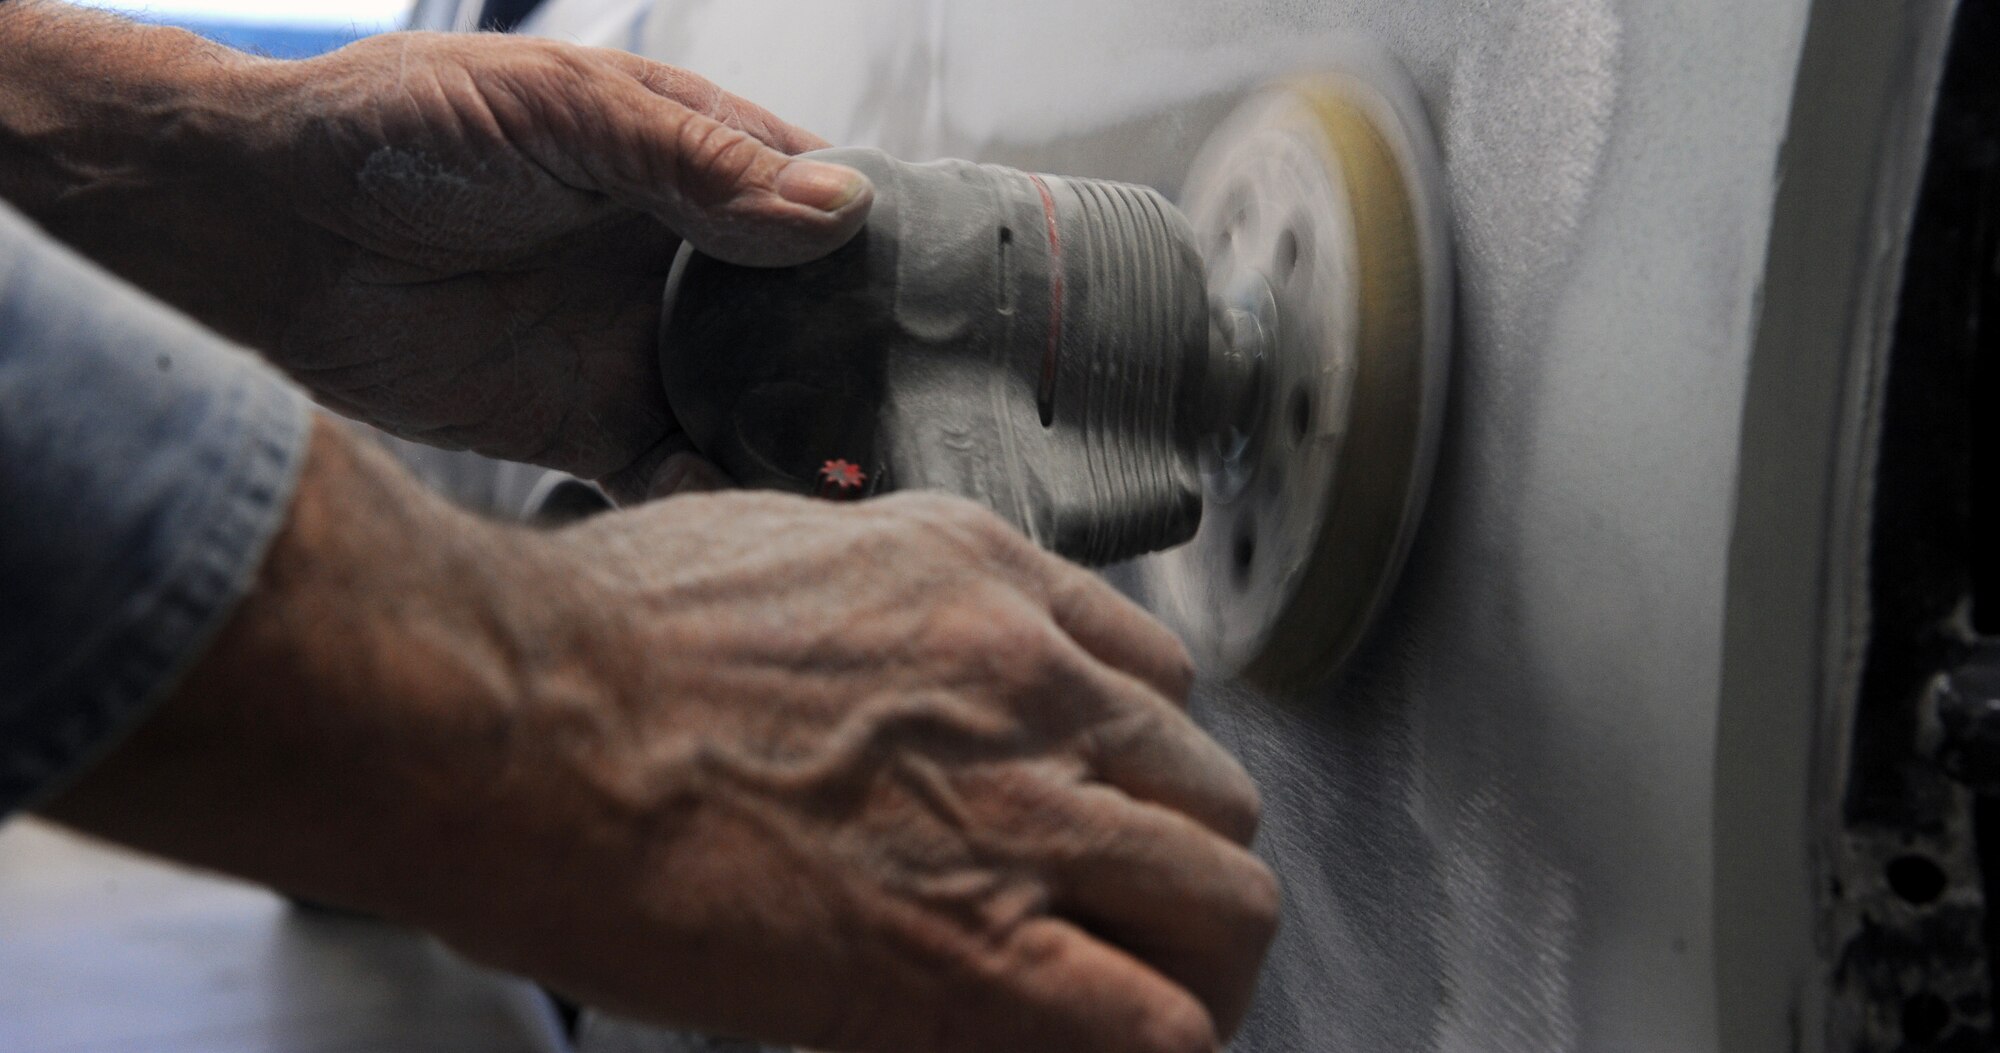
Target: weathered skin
[865,778]
[459,240]
[898,780]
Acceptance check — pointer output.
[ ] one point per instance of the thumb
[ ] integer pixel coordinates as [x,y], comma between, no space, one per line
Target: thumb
[671,466]
[721,188]
[687,473]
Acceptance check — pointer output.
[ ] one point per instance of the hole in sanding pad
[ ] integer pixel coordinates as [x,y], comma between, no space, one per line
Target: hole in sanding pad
[1300,410]
[1239,216]
[1286,259]
[1243,552]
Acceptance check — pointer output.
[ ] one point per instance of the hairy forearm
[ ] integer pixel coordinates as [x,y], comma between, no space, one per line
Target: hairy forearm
[127,141]
[337,738]
[838,776]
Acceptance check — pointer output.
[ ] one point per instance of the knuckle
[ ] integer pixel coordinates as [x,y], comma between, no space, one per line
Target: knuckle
[738,159]
[1123,729]
[1024,638]
[966,626]
[1263,903]
[691,90]
[979,524]
[980,631]
[973,528]
[704,146]
[1177,666]
[1241,806]
[920,506]
[1181,1026]
[1020,650]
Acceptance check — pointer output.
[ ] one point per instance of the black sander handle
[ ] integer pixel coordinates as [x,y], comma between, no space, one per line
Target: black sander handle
[1036,343]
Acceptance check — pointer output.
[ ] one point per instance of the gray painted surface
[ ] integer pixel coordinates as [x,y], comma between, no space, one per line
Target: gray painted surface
[1500,830]
[1796,623]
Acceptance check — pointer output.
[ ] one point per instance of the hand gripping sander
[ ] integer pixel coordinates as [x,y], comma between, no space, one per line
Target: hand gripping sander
[1253,384]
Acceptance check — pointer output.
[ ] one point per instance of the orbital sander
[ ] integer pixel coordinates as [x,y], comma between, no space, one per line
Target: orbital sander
[1248,386]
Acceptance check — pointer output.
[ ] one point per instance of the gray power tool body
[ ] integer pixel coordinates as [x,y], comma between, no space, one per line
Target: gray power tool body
[1035,343]
[1256,384]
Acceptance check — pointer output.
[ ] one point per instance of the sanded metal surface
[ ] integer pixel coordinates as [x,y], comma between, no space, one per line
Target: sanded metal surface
[1508,827]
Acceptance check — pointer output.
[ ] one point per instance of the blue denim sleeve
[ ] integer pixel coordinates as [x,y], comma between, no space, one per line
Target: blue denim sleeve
[145,464]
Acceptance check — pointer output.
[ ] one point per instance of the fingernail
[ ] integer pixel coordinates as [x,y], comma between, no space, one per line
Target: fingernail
[685,473]
[816,184]
[667,479]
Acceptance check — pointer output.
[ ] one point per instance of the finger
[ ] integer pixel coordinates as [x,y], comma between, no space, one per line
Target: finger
[1133,739]
[1122,731]
[671,466]
[1200,910]
[1119,632]
[703,96]
[1193,905]
[686,473]
[1072,993]
[731,194]
[1167,760]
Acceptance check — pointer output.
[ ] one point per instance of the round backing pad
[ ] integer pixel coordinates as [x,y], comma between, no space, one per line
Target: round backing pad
[1320,216]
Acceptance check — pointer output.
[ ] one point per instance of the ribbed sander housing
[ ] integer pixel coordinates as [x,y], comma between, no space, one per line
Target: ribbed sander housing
[1036,343]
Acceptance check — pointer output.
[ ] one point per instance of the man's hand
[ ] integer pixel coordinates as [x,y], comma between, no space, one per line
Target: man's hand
[462,239]
[496,221]
[876,777]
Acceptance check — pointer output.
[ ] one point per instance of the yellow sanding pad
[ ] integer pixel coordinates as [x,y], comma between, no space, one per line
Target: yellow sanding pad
[1320,212]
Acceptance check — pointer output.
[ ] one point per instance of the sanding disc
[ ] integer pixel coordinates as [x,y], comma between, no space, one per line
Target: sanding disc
[1320,216]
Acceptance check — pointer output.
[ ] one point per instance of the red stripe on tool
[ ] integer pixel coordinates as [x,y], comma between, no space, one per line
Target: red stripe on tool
[1047,395]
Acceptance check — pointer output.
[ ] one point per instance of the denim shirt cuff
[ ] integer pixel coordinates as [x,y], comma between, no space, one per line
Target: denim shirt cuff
[145,465]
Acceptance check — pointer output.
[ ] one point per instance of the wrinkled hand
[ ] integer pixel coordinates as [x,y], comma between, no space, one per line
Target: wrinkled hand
[880,777]
[925,788]
[488,226]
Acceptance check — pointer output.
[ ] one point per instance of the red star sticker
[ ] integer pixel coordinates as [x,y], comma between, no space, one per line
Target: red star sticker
[843,474]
